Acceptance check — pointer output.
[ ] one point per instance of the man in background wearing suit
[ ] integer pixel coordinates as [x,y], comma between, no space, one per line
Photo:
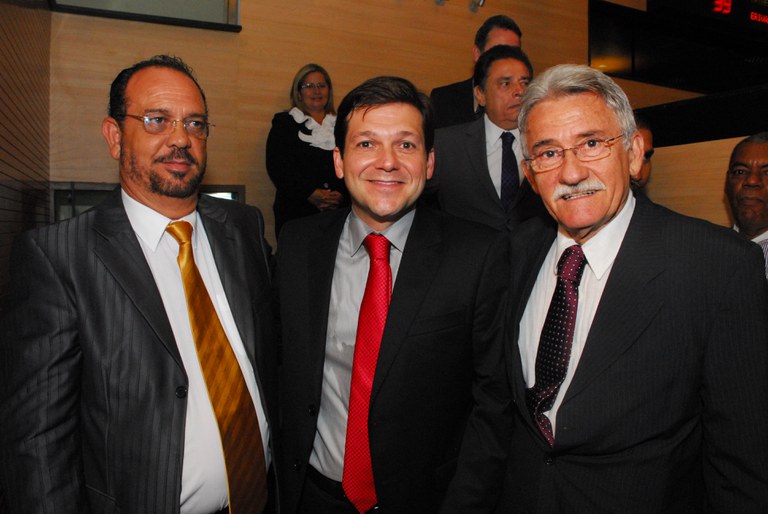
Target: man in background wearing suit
[477,176]
[455,103]
[132,382]
[381,373]
[746,186]
[637,346]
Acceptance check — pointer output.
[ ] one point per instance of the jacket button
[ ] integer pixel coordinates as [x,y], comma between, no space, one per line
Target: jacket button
[296,465]
[312,410]
[549,460]
[181,392]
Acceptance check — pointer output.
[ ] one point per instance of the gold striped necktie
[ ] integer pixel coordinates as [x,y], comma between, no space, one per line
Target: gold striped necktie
[231,401]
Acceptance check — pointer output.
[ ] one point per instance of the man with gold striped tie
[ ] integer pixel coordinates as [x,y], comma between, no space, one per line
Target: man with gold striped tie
[136,351]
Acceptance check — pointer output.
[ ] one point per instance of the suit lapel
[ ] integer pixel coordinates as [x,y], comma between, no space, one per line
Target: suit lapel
[621,315]
[228,255]
[320,261]
[117,247]
[527,257]
[478,159]
[417,270]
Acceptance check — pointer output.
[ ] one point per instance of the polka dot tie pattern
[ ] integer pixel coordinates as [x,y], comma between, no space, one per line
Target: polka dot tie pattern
[357,479]
[227,390]
[556,338]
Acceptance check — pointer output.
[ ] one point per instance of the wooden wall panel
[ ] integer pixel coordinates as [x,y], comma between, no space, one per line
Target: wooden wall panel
[247,75]
[24,135]
[691,179]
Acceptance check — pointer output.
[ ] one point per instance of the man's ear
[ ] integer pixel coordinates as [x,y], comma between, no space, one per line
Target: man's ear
[636,155]
[430,163]
[112,133]
[476,52]
[338,163]
[480,96]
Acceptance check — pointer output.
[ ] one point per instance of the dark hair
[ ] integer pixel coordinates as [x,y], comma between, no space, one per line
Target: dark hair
[494,54]
[117,90]
[642,123]
[298,80]
[381,91]
[499,21]
[759,138]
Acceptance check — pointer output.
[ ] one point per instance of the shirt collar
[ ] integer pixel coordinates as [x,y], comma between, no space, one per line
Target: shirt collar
[149,224]
[758,238]
[493,132]
[602,248]
[397,233]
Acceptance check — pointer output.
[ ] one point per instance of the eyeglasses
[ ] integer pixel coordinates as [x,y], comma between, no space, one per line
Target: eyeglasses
[160,125]
[592,149]
[319,86]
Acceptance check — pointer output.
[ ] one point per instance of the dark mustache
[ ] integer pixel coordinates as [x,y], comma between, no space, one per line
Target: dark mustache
[178,154]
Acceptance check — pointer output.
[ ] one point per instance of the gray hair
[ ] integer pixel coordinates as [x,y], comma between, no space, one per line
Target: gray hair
[572,79]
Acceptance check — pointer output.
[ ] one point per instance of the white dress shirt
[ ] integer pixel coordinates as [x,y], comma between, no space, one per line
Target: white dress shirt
[600,251]
[350,274]
[204,477]
[493,152]
[762,240]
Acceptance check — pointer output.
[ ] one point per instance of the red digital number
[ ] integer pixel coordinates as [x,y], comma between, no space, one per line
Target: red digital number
[722,6]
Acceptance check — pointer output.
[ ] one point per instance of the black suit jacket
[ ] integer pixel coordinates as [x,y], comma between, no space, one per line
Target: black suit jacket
[463,185]
[93,390]
[440,345]
[297,168]
[454,104]
[668,408]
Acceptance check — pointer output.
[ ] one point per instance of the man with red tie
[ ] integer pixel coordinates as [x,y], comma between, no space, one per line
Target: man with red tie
[390,329]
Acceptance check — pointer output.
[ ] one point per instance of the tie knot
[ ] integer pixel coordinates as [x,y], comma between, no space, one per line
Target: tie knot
[181,231]
[377,247]
[507,138]
[571,264]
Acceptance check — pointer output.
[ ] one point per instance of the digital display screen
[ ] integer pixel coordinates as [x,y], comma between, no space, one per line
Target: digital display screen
[740,13]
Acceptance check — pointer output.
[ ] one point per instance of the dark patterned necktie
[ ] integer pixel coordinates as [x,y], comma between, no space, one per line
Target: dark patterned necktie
[554,351]
[510,179]
[231,401]
[357,477]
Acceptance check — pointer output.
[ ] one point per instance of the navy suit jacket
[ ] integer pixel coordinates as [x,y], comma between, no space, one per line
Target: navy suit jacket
[668,407]
[93,389]
[463,185]
[441,344]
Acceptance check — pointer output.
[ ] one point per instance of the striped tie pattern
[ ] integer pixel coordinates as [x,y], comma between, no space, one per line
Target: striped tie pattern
[231,401]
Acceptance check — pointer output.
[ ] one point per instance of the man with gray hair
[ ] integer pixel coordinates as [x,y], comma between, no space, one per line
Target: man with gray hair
[636,355]
[746,186]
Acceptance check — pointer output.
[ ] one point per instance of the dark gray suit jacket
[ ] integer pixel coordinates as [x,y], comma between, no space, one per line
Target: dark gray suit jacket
[668,409]
[463,185]
[93,390]
[454,104]
[441,344]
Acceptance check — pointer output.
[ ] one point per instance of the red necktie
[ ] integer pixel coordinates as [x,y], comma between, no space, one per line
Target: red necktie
[554,351]
[231,401]
[357,478]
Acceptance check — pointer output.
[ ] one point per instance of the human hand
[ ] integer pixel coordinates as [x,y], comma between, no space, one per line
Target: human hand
[325,199]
